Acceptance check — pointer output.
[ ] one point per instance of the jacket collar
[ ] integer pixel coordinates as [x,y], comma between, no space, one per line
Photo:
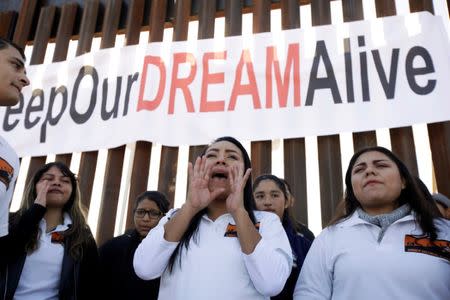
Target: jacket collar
[355,220]
[67,222]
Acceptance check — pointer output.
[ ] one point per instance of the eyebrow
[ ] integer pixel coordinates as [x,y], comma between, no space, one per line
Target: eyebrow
[19,61]
[53,175]
[21,64]
[226,150]
[271,191]
[374,161]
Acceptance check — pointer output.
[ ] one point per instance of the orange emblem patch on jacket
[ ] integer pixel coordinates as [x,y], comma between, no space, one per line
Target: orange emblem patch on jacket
[6,172]
[423,244]
[57,237]
[232,232]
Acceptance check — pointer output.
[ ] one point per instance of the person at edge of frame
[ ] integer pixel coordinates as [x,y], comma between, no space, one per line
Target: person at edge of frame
[54,255]
[383,241]
[12,79]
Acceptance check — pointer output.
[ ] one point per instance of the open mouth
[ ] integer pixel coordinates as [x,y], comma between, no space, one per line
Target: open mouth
[221,175]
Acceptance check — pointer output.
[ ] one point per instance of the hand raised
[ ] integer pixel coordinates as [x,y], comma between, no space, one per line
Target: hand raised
[237,179]
[199,195]
[41,197]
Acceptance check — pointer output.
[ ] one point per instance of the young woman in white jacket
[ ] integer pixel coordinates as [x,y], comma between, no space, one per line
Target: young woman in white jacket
[216,246]
[388,242]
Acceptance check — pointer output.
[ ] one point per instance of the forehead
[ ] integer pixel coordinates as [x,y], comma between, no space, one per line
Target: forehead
[224,146]
[147,204]
[371,156]
[54,171]
[10,52]
[267,185]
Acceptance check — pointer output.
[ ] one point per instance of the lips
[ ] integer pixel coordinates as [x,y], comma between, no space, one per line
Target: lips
[219,173]
[146,228]
[17,88]
[369,182]
[55,191]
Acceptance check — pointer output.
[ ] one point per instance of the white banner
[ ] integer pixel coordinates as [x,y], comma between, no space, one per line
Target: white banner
[357,76]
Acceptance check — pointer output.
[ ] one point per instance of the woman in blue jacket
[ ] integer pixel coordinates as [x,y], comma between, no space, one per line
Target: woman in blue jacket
[271,195]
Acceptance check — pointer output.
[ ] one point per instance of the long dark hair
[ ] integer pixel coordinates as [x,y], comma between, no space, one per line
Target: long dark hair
[192,230]
[78,232]
[426,193]
[411,194]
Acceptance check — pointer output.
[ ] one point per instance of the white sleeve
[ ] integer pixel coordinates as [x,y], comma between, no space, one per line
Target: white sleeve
[270,264]
[153,253]
[9,164]
[4,210]
[315,280]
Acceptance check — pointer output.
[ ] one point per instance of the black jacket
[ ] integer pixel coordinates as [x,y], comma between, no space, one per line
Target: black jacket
[4,250]
[78,277]
[119,281]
